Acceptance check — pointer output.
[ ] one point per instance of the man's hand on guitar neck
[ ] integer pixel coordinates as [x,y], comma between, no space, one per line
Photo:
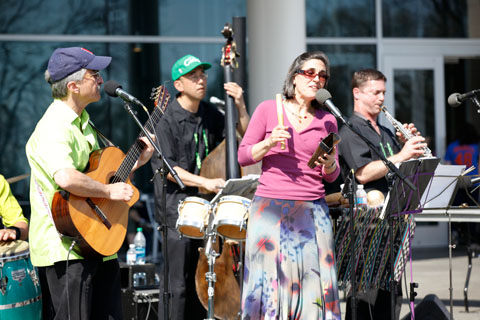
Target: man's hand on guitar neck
[146,154]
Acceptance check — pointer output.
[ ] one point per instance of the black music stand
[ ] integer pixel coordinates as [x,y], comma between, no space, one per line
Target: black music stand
[402,200]
[442,190]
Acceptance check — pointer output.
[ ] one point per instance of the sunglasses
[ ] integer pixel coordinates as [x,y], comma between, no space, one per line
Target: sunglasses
[311,74]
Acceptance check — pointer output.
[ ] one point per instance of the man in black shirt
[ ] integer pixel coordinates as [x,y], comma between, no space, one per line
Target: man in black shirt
[189,130]
[368,87]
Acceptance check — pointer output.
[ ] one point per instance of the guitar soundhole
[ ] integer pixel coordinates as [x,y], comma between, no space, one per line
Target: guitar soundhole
[114,179]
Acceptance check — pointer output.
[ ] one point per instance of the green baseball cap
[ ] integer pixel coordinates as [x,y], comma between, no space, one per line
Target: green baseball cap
[186,64]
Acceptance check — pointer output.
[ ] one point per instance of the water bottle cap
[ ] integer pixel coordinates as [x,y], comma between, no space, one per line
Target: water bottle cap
[360,186]
[139,229]
[132,245]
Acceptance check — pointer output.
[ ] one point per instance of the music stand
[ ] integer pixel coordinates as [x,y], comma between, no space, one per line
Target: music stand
[244,187]
[443,187]
[403,200]
[441,193]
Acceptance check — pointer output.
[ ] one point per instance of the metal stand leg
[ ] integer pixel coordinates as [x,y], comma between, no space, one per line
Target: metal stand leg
[472,251]
[450,247]
[150,204]
[469,271]
[210,276]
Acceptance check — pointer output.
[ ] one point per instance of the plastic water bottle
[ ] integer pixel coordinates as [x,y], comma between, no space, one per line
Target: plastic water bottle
[361,197]
[139,242]
[131,254]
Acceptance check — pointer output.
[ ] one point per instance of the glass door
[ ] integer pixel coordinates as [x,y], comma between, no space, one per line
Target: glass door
[415,93]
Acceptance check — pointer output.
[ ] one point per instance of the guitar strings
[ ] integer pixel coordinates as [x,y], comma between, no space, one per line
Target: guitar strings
[126,167]
[135,151]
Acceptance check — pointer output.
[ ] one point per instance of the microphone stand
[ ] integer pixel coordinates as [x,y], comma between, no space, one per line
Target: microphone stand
[476,102]
[210,276]
[163,172]
[351,187]
[393,171]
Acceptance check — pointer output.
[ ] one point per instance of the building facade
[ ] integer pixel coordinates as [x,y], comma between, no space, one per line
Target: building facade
[427,49]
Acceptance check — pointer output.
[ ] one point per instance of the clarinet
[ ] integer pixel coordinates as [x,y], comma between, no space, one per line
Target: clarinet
[405,132]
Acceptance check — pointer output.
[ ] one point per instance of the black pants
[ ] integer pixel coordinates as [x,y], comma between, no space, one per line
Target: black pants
[378,311]
[183,258]
[93,290]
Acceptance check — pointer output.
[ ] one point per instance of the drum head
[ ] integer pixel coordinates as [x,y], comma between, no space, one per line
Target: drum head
[13,248]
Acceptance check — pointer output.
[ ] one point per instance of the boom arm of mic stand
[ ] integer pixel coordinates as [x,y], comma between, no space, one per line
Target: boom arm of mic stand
[157,149]
[390,166]
[476,102]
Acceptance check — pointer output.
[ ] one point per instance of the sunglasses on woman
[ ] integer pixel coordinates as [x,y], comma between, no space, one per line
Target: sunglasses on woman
[311,74]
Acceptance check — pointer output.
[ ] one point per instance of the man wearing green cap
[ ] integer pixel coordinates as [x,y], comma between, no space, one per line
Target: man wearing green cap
[189,130]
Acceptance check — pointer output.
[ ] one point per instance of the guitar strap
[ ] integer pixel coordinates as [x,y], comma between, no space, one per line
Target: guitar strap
[104,139]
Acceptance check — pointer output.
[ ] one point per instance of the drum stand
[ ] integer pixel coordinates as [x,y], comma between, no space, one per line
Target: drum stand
[210,276]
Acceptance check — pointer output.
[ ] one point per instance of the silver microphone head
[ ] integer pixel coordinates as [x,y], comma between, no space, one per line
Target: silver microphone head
[453,100]
[217,101]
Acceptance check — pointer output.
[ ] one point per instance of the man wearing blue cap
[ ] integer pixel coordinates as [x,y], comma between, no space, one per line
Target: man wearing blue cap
[58,152]
[188,132]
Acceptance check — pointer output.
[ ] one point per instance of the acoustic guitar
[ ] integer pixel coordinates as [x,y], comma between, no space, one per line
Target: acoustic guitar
[99,225]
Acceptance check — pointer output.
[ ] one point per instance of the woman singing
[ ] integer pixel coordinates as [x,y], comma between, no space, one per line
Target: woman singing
[289,260]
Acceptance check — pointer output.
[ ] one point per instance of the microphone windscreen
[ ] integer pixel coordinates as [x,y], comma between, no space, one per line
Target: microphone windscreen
[110,87]
[453,100]
[322,95]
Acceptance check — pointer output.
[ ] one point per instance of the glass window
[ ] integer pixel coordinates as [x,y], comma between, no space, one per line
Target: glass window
[426,19]
[205,18]
[414,101]
[73,17]
[340,18]
[344,61]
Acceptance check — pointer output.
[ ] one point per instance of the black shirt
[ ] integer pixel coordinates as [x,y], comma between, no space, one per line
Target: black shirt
[354,153]
[182,135]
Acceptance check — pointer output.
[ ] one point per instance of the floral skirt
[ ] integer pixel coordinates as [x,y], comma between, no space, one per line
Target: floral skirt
[289,262]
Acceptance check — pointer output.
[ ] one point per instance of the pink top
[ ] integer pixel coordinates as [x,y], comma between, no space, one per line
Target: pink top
[285,173]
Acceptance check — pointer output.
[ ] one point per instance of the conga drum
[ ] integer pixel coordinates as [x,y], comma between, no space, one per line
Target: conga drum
[20,294]
[193,215]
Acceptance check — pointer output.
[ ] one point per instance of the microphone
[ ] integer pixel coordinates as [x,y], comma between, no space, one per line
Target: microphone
[456,99]
[324,97]
[114,89]
[217,101]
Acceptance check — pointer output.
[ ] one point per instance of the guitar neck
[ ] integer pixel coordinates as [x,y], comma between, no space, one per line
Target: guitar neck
[136,149]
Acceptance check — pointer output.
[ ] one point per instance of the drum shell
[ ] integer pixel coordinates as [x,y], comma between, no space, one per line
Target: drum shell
[21,297]
[231,215]
[193,217]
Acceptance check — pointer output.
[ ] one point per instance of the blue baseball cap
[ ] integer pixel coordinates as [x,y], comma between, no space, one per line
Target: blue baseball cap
[65,61]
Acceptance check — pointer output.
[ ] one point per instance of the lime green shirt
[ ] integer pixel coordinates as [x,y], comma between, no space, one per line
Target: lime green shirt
[10,210]
[61,140]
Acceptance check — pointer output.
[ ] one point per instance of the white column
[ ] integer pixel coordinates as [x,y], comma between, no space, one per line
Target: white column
[276,32]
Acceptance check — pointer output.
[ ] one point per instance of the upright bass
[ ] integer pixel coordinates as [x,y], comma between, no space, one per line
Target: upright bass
[222,161]
[225,303]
